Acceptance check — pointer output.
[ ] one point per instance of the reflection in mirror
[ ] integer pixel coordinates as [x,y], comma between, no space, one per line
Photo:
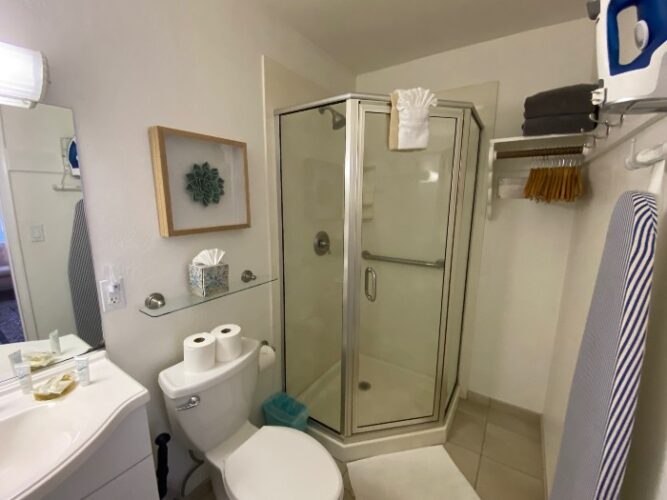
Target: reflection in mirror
[46,268]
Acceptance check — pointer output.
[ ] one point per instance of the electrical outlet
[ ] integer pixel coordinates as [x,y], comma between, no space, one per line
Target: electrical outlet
[113,294]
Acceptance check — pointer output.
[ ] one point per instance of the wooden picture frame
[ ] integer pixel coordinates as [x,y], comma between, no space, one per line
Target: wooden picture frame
[175,151]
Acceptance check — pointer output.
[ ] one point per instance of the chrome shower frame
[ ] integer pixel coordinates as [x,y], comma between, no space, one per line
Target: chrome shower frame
[356,105]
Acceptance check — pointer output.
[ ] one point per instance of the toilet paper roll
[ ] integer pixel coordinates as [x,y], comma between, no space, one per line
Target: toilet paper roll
[199,352]
[228,342]
[267,356]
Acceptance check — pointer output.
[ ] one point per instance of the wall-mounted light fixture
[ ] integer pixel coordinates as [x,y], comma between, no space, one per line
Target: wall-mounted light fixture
[23,76]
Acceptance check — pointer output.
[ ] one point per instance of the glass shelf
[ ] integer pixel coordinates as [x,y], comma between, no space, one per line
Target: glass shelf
[187,301]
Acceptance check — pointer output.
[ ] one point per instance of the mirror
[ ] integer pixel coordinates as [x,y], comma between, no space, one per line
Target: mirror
[47,281]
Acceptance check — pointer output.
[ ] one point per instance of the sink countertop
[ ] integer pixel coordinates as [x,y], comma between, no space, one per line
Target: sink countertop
[45,441]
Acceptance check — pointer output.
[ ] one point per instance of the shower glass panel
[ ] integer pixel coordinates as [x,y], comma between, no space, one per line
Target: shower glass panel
[312,153]
[459,274]
[375,248]
[406,198]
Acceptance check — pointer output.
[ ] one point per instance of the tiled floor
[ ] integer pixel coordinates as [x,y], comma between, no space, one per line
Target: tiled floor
[499,450]
[348,494]
[202,492]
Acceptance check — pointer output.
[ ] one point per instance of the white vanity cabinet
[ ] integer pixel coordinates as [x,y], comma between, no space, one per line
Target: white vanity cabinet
[91,443]
[122,468]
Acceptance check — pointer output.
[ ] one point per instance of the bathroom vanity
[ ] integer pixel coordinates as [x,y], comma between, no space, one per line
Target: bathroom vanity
[93,442]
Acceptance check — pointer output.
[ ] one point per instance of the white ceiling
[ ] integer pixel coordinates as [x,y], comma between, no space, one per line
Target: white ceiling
[365,35]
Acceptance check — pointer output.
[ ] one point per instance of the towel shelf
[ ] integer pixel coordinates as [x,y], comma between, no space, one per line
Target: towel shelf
[591,145]
[438,264]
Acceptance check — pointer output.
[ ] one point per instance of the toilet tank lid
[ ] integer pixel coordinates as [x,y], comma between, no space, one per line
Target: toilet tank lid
[175,382]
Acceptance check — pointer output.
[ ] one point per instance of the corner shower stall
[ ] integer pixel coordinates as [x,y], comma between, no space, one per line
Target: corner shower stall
[374,260]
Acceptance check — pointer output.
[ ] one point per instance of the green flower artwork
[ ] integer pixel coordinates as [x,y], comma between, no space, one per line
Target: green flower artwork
[204,184]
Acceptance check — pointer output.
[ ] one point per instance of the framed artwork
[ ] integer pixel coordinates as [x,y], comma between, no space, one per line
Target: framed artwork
[201,182]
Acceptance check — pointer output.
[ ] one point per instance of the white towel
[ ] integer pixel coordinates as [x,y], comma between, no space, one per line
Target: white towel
[408,126]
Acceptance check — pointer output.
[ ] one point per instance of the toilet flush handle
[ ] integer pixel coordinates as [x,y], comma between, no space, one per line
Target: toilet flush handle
[190,403]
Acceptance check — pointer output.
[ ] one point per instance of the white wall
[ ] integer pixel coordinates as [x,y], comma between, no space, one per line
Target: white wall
[525,246]
[524,64]
[34,163]
[608,178]
[124,66]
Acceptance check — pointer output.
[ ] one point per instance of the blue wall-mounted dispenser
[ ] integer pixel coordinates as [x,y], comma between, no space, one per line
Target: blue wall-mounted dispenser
[638,85]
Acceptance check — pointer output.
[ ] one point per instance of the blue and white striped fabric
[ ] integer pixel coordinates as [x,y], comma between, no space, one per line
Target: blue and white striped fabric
[601,409]
[82,282]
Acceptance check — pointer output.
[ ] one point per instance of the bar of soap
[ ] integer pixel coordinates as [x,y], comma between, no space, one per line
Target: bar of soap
[38,359]
[55,387]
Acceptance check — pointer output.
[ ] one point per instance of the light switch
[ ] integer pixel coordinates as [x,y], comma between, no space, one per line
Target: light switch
[37,233]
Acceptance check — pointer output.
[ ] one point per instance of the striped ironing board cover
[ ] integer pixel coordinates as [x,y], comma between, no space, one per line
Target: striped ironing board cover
[603,397]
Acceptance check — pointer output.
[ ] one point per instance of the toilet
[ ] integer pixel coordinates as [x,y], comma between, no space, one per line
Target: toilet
[208,412]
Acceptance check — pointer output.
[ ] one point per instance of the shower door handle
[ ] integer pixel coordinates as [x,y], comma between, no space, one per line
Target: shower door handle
[371,284]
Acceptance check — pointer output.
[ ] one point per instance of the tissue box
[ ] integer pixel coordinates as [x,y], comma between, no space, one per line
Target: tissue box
[208,280]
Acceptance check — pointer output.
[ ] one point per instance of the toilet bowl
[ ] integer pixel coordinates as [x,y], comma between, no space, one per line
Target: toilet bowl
[208,412]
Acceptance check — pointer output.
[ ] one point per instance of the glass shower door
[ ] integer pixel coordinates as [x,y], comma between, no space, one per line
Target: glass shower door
[312,145]
[407,198]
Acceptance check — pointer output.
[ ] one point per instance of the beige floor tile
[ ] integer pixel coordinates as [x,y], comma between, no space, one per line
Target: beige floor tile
[520,412]
[467,431]
[202,492]
[473,407]
[514,450]
[498,482]
[513,419]
[346,481]
[477,398]
[341,465]
[466,460]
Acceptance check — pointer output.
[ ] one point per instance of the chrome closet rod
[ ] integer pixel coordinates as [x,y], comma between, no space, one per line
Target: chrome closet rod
[533,153]
[398,260]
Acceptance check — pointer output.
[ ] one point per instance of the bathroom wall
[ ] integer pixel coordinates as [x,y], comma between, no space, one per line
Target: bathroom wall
[124,66]
[34,162]
[646,477]
[282,88]
[525,245]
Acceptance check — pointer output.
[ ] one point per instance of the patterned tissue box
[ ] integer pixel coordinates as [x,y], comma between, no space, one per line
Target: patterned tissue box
[208,280]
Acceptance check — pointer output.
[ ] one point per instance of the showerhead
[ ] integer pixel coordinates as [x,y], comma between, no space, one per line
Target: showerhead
[337,119]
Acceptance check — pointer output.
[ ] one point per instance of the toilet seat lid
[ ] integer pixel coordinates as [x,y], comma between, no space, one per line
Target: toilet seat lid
[282,464]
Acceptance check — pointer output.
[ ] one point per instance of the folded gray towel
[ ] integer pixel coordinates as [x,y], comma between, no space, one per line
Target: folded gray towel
[564,124]
[575,99]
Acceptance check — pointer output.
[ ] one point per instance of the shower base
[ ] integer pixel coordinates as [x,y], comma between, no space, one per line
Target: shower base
[395,394]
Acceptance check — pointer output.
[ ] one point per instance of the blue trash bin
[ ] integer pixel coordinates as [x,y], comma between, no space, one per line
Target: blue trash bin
[282,409]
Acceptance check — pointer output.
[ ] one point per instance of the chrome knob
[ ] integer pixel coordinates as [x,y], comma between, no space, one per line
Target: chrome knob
[248,276]
[322,243]
[155,301]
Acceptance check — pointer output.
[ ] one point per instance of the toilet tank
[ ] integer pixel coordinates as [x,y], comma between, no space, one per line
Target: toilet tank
[225,395]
